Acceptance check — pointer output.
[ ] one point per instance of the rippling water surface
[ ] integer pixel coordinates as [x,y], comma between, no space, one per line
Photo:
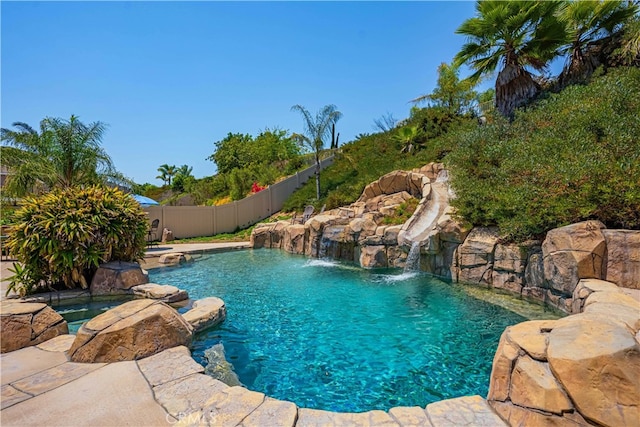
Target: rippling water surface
[333,336]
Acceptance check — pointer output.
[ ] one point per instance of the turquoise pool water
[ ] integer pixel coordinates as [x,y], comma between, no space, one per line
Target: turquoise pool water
[329,335]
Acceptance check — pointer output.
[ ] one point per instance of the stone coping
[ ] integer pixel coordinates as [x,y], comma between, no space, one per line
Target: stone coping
[41,387]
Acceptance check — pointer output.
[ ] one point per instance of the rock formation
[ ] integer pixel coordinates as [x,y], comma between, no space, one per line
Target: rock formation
[117,277]
[357,232]
[580,369]
[547,271]
[205,313]
[130,331]
[27,324]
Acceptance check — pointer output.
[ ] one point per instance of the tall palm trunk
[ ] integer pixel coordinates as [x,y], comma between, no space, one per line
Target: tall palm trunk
[317,156]
[514,87]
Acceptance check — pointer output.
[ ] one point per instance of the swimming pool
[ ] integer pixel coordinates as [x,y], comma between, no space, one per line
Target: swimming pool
[329,335]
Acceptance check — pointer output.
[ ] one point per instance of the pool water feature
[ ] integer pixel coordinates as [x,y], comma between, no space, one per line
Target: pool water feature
[329,335]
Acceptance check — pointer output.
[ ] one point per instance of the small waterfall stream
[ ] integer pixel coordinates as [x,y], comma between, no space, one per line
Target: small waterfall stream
[413,259]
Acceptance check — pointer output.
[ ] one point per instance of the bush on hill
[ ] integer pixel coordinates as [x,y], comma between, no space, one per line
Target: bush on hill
[570,157]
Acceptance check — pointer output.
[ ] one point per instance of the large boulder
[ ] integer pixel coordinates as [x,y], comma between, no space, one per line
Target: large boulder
[164,293]
[374,257]
[597,362]
[294,239]
[622,260]
[268,235]
[205,313]
[174,258]
[130,331]
[582,369]
[117,277]
[26,324]
[475,257]
[509,266]
[572,253]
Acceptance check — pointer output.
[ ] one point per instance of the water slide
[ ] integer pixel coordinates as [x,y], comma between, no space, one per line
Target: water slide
[424,220]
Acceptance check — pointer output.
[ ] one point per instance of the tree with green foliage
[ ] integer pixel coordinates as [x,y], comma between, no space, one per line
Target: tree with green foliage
[629,50]
[316,130]
[64,153]
[571,157]
[60,238]
[232,152]
[182,179]
[454,95]
[167,172]
[407,136]
[586,23]
[239,151]
[520,35]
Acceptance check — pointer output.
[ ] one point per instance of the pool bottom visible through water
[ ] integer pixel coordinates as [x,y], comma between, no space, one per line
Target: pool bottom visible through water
[329,335]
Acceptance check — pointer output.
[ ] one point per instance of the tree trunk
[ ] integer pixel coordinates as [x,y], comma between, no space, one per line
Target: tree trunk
[317,176]
[514,88]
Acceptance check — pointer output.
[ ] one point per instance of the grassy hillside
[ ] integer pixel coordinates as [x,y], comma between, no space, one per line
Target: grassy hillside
[569,157]
[367,158]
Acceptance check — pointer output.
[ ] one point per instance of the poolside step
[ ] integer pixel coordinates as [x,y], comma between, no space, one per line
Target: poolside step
[205,313]
[164,293]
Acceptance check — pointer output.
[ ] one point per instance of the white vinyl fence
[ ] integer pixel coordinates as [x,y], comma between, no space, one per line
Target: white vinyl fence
[196,221]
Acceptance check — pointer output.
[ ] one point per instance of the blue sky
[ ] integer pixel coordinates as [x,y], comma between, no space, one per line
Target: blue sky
[171,78]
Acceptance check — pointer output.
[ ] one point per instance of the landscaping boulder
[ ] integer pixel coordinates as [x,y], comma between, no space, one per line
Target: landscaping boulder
[26,324]
[572,253]
[167,235]
[579,370]
[174,258]
[597,363]
[475,257]
[117,277]
[205,313]
[373,257]
[130,331]
[294,239]
[622,259]
[164,293]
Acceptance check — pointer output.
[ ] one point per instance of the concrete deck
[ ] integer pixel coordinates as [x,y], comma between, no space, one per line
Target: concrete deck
[41,387]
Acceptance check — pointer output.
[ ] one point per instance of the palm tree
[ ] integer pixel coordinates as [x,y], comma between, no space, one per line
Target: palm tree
[63,153]
[407,137]
[586,23]
[166,173]
[516,34]
[184,171]
[316,130]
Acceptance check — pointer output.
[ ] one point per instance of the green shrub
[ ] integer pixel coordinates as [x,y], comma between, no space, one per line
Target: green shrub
[402,212]
[61,237]
[573,156]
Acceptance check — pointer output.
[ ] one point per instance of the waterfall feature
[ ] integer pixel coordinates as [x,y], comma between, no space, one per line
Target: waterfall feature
[413,259]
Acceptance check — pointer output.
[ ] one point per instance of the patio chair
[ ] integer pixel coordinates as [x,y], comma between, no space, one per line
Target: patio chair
[308,211]
[151,234]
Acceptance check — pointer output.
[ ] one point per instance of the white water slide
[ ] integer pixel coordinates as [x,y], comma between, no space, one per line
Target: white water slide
[424,220]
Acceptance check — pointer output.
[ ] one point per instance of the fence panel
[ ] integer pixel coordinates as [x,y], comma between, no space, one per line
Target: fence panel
[253,209]
[226,220]
[196,221]
[189,221]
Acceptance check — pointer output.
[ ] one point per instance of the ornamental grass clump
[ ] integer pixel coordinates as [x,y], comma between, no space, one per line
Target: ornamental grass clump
[59,239]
